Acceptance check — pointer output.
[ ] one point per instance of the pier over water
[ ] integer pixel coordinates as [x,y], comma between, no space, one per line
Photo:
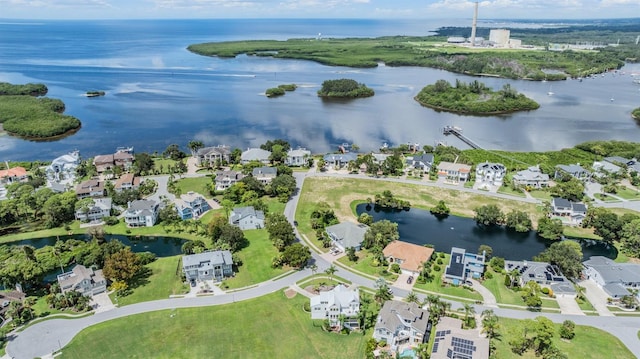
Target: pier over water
[457,131]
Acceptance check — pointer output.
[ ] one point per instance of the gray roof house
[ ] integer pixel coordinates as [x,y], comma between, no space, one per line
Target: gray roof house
[84,280]
[574,211]
[213,155]
[90,188]
[632,164]
[615,278]
[339,160]
[531,177]
[542,273]
[264,174]
[297,157]
[226,179]
[575,171]
[336,302]
[604,167]
[401,323]
[492,173]
[463,265]
[100,208]
[451,341]
[214,265]
[255,154]
[422,162]
[141,213]
[246,218]
[347,234]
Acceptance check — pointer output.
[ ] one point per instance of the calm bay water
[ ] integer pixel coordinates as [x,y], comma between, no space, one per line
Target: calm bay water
[158,93]
[421,227]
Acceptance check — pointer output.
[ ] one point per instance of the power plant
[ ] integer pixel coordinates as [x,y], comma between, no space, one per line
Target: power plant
[474,24]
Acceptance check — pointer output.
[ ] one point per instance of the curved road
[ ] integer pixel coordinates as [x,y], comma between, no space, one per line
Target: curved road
[48,336]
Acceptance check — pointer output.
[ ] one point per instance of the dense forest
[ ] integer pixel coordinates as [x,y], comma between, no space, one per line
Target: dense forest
[34,117]
[344,88]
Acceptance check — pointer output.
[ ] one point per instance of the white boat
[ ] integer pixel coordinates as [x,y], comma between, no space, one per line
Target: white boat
[550,93]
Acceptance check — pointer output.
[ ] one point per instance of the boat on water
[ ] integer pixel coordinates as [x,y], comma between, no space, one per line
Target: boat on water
[550,92]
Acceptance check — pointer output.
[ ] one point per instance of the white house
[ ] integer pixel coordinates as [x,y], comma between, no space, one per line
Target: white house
[491,173]
[454,172]
[226,179]
[255,154]
[213,155]
[264,174]
[84,280]
[100,208]
[213,265]
[347,234]
[297,157]
[64,167]
[531,177]
[617,279]
[336,302]
[247,218]
[141,213]
[401,323]
[574,211]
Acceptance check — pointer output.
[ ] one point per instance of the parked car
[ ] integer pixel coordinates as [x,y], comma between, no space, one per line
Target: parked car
[295,223]
[5,303]
[410,280]
[193,282]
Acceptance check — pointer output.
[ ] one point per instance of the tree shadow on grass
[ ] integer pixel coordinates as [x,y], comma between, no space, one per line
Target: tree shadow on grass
[140,279]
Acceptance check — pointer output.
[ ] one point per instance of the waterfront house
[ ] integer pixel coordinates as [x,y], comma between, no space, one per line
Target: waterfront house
[63,168]
[463,265]
[191,205]
[410,257]
[542,273]
[141,213]
[264,174]
[99,208]
[454,172]
[213,156]
[400,323]
[422,162]
[531,177]
[616,279]
[255,154]
[247,218]
[340,303]
[226,179]
[347,234]
[123,158]
[632,165]
[602,168]
[575,171]
[90,188]
[127,181]
[491,173]
[337,161]
[83,280]
[213,265]
[451,341]
[575,212]
[13,175]
[297,157]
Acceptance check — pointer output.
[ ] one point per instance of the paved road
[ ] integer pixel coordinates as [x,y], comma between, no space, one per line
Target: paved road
[45,337]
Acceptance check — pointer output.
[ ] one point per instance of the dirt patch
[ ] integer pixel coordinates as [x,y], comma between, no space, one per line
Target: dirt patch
[290,293]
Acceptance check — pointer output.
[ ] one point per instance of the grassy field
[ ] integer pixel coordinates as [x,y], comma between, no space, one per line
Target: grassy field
[589,342]
[579,232]
[271,326]
[511,191]
[500,291]
[195,184]
[365,265]
[627,193]
[256,259]
[165,280]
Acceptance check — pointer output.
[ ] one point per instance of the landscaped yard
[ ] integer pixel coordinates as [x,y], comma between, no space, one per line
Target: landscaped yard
[436,284]
[505,295]
[511,191]
[541,194]
[165,280]
[199,185]
[588,342]
[267,327]
[256,260]
[627,193]
[365,264]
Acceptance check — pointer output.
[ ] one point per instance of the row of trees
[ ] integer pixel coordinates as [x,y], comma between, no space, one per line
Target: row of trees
[614,228]
[491,215]
[281,234]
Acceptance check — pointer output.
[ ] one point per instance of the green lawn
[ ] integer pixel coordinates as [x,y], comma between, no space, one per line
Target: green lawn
[585,304]
[74,227]
[267,327]
[436,284]
[627,193]
[256,260]
[163,164]
[503,294]
[165,280]
[320,278]
[541,194]
[579,232]
[42,309]
[621,258]
[196,184]
[605,197]
[511,191]
[365,264]
[589,342]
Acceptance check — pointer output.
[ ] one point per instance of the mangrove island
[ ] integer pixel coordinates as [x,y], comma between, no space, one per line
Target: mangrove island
[94,93]
[280,90]
[344,88]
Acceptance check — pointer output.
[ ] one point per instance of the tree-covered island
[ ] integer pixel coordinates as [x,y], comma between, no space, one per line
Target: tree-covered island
[636,114]
[95,93]
[344,88]
[280,90]
[39,118]
[473,98]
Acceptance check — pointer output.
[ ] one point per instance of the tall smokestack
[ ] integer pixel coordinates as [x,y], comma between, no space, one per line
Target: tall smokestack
[473,24]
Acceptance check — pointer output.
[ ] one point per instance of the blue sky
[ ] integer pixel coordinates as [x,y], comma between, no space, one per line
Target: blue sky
[444,9]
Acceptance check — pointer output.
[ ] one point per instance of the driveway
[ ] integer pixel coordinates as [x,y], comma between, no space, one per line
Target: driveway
[401,282]
[568,305]
[101,302]
[597,296]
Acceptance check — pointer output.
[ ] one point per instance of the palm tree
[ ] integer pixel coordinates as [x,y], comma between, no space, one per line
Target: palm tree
[412,297]
[431,300]
[515,276]
[314,268]
[489,323]
[331,271]
[194,146]
[383,293]
[468,311]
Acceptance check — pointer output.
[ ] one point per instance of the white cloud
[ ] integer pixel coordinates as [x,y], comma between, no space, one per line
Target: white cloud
[204,4]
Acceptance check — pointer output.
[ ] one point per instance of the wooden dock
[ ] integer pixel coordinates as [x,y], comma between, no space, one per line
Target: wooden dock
[457,131]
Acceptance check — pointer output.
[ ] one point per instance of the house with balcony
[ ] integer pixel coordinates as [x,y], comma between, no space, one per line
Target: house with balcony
[264,175]
[127,181]
[83,280]
[226,179]
[191,205]
[255,155]
[141,213]
[616,279]
[491,173]
[247,218]
[63,168]
[573,170]
[572,212]
[463,265]
[123,158]
[340,303]
[213,265]
[213,155]
[90,188]
[100,208]
[531,177]
[347,234]
[298,157]
[410,257]
[451,341]
[422,162]
[338,161]
[401,323]
[453,172]
[13,175]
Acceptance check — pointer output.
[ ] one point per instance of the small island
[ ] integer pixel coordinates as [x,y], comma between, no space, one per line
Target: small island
[38,118]
[474,98]
[94,93]
[344,88]
[635,114]
[280,90]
